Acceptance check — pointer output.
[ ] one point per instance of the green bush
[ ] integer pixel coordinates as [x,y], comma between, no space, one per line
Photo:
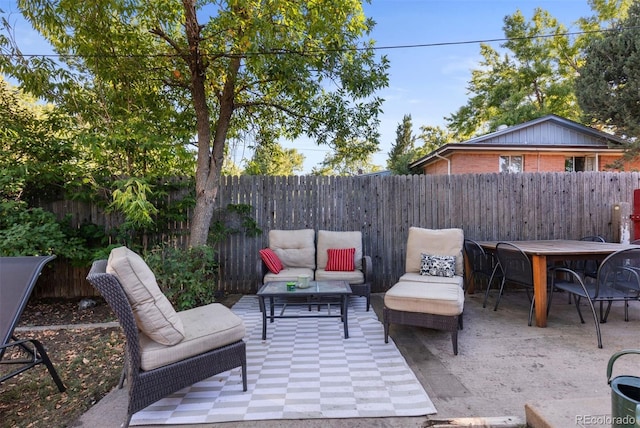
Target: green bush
[187,277]
[26,231]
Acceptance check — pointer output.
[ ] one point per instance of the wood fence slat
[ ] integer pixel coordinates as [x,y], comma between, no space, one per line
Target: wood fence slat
[486,206]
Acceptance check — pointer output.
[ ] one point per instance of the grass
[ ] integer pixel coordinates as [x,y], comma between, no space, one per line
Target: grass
[89,361]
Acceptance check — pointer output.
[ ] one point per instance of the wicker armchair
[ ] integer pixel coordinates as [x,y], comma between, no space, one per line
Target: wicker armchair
[148,386]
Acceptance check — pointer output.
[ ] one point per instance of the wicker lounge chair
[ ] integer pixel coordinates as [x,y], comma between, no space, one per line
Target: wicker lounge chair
[18,276]
[426,297]
[153,370]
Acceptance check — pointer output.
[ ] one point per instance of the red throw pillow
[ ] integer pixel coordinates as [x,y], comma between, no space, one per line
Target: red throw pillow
[271,260]
[341,259]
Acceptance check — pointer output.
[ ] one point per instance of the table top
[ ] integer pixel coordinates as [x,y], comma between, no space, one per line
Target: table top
[279,288]
[562,246]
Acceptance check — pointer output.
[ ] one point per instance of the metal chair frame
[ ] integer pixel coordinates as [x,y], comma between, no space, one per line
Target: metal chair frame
[483,264]
[516,269]
[617,279]
[18,276]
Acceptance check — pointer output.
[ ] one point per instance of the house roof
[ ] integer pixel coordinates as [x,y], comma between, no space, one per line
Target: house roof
[548,133]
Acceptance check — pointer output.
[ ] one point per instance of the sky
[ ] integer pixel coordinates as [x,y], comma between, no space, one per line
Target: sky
[429,83]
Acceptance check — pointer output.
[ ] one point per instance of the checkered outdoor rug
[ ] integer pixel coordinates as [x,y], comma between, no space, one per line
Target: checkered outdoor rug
[304,370]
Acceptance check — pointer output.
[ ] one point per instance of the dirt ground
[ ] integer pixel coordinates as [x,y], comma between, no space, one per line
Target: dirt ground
[39,312]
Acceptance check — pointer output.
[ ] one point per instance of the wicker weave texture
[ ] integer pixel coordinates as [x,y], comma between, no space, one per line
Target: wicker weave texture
[419,319]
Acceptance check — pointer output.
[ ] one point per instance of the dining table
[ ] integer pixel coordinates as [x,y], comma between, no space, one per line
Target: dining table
[544,253]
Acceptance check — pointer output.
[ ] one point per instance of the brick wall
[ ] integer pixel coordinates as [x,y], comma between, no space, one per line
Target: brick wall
[480,163]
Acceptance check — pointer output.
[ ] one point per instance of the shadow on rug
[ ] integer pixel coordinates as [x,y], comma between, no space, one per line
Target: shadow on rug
[304,370]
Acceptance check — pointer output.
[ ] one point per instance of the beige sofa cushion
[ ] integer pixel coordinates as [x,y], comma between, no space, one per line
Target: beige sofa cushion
[438,298]
[154,313]
[440,242]
[352,277]
[287,274]
[206,327]
[294,248]
[329,240]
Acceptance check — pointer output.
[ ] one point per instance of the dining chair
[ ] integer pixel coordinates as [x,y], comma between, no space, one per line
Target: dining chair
[587,268]
[483,265]
[617,279]
[517,270]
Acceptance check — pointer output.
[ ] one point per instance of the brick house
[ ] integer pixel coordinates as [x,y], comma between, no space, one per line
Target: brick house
[547,144]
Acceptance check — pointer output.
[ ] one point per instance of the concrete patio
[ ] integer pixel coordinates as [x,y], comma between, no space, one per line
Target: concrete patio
[506,374]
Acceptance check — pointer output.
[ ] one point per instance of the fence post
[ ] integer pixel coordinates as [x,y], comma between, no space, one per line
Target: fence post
[621,222]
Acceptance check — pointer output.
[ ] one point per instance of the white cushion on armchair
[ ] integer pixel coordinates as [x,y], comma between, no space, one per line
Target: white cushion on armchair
[154,313]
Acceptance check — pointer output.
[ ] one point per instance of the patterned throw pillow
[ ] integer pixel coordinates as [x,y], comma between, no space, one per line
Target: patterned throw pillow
[438,265]
[341,259]
[271,260]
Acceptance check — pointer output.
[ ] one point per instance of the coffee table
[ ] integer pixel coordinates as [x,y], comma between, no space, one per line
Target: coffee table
[317,289]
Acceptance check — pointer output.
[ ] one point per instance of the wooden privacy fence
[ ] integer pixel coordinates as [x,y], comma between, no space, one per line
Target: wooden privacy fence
[485,206]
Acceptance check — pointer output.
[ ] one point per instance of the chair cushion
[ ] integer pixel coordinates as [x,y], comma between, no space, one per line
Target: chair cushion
[330,239]
[206,327]
[428,279]
[438,298]
[340,259]
[353,277]
[294,248]
[154,313]
[271,260]
[287,274]
[443,242]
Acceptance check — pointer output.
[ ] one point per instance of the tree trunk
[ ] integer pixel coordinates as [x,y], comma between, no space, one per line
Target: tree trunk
[209,162]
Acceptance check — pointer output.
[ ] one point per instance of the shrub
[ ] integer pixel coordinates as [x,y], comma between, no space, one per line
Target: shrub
[26,231]
[187,277]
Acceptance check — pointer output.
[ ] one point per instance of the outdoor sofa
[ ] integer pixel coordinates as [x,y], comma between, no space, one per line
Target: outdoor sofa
[333,256]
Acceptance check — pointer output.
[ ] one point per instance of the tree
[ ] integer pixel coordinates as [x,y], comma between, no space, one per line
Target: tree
[273,159]
[36,157]
[534,77]
[402,150]
[433,137]
[527,82]
[352,158]
[291,67]
[608,87]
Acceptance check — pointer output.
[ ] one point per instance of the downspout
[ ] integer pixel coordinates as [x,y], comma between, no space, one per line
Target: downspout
[447,160]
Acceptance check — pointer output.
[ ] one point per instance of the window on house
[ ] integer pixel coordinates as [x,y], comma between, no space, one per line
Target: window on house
[511,164]
[578,163]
